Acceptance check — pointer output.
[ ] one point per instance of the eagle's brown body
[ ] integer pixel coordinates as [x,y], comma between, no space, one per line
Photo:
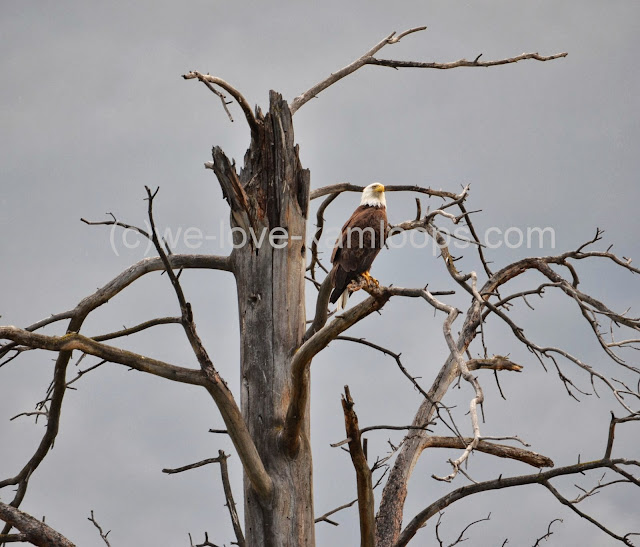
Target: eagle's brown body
[359,243]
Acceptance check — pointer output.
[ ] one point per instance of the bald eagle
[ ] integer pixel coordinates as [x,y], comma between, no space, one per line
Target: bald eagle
[360,241]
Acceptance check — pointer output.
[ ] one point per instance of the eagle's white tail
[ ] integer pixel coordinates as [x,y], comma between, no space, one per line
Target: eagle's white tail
[342,301]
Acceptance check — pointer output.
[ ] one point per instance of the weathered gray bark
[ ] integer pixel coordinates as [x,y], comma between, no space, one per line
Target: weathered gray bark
[272,191]
[31,529]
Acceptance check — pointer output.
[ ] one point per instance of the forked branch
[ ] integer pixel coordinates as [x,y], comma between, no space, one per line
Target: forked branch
[539,478]
[226,485]
[244,104]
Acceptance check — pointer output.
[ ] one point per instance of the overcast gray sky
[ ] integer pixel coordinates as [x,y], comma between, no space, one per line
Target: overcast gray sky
[92,108]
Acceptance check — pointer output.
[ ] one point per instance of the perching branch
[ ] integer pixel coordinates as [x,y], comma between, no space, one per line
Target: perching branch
[301,362]
[347,187]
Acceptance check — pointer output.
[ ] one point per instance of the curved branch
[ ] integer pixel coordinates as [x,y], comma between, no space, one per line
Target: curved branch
[567,503]
[322,303]
[137,328]
[123,280]
[318,339]
[539,478]
[316,238]
[244,104]
[301,362]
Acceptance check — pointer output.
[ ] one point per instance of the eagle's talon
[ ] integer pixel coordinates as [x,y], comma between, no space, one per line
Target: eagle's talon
[371,281]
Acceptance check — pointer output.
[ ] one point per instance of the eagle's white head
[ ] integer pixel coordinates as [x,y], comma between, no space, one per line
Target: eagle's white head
[373,195]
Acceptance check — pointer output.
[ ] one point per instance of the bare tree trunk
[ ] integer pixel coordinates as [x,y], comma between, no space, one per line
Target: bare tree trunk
[271,192]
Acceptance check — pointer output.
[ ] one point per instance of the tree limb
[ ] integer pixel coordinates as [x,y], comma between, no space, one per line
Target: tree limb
[244,104]
[122,281]
[462,62]
[301,362]
[103,535]
[539,478]
[226,485]
[500,450]
[347,187]
[216,386]
[75,341]
[355,65]
[363,473]
[369,59]
[34,531]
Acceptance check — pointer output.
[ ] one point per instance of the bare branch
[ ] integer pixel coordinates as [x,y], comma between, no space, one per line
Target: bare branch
[246,108]
[463,62]
[366,502]
[548,534]
[33,530]
[206,542]
[355,65]
[318,234]
[231,505]
[226,485]
[497,362]
[571,506]
[539,478]
[369,59]
[217,388]
[201,463]
[301,361]
[75,341]
[103,535]
[347,187]
[322,311]
[137,328]
[115,222]
[460,537]
[121,282]
[500,450]
[325,517]
[612,427]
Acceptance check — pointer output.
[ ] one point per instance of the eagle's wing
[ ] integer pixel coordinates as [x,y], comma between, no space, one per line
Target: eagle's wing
[360,241]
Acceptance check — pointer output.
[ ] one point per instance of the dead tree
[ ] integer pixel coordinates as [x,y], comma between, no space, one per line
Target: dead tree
[269,202]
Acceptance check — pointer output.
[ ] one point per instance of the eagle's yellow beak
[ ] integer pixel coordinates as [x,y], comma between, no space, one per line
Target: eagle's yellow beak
[380,188]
